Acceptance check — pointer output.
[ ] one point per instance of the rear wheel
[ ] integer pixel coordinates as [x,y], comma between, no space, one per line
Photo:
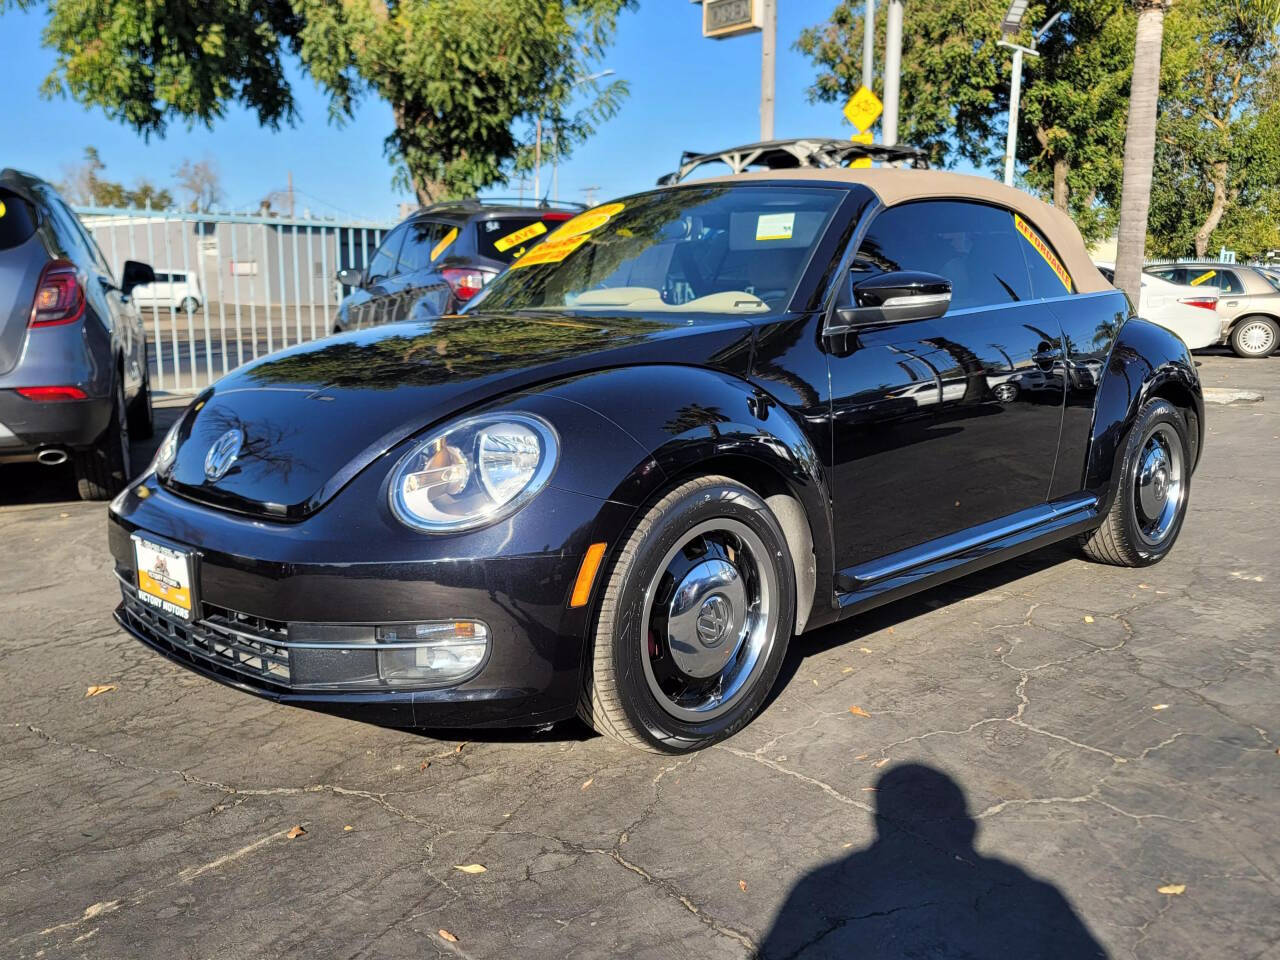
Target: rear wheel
[1255,337]
[189,305]
[102,471]
[694,620]
[1151,498]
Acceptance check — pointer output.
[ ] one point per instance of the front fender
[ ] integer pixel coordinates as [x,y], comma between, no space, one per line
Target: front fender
[684,419]
[1146,361]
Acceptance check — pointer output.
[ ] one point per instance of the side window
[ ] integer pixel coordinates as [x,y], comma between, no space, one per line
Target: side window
[90,244]
[384,262]
[1165,273]
[973,245]
[1228,282]
[1049,277]
[420,237]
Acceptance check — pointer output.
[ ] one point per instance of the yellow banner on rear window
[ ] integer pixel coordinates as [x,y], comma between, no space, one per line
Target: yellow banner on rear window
[520,236]
[550,251]
[1207,275]
[1042,248]
[443,245]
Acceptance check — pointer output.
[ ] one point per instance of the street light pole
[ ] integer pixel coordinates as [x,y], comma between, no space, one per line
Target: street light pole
[892,73]
[768,58]
[869,44]
[1015,80]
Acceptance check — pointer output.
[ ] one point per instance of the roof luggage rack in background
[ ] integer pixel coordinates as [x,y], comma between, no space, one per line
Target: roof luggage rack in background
[479,203]
[791,154]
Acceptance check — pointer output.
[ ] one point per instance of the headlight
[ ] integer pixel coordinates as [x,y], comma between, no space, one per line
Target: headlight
[164,455]
[474,472]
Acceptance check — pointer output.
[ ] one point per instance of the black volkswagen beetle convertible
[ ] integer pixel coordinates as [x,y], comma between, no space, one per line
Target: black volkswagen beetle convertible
[687,426]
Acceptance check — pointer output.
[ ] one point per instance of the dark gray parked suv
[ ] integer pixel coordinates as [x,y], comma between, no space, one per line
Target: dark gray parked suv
[73,355]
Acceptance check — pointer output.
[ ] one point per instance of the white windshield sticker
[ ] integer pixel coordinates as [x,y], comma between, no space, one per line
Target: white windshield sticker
[775,226]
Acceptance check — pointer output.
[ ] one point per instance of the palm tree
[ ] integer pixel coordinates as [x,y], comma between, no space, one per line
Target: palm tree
[1140,146]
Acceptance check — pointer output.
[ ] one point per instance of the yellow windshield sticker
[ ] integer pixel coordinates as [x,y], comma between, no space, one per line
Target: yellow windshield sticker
[586,222]
[1042,248]
[1207,275]
[775,226]
[2,208]
[443,245]
[520,236]
[550,250]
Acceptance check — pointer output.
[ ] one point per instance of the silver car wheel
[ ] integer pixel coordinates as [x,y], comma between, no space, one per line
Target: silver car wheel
[709,620]
[1158,484]
[1257,337]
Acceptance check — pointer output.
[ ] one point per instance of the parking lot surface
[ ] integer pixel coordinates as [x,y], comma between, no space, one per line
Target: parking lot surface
[1049,758]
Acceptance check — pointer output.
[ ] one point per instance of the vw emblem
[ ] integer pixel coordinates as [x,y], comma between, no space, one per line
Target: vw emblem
[713,620]
[223,454]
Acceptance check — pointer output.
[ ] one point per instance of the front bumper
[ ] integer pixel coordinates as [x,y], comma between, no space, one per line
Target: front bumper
[254,580]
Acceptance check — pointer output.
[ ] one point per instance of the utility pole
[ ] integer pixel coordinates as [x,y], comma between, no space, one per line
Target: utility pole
[869,44]
[1012,21]
[290,191]
[591,195]
[892,73]
[768,61]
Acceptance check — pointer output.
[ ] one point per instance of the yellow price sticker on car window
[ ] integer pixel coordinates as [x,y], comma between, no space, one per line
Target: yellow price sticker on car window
[1042,248]
[586,222]
[443,245]
[550,251]
[3,210]
[1207,275]
[775,226]
[520,236]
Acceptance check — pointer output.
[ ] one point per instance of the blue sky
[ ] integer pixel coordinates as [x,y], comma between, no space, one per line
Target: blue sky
[686,93]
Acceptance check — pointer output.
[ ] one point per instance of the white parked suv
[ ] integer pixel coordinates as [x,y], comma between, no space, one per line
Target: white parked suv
[179,289]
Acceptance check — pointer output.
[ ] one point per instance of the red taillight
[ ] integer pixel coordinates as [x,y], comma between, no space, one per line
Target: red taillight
[59,297]
[465,282]
[1208,303]
[557,216]
[51,394]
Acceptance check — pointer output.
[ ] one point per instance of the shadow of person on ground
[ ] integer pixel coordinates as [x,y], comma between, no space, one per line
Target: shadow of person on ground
[921,890]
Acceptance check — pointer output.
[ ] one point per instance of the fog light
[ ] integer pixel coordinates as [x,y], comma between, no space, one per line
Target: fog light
[440,651]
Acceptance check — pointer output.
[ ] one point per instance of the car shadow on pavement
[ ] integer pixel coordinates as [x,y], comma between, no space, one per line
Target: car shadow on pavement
[921,889]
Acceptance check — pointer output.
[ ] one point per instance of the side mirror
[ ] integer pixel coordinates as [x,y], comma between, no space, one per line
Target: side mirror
[136,275]
[898,297]
[351,277]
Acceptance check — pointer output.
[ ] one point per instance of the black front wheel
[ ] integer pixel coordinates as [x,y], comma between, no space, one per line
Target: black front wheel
[1152,494]
[693,623]
[103,470]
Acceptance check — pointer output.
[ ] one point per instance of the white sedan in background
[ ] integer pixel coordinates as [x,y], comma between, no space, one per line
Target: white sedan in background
[1188,311]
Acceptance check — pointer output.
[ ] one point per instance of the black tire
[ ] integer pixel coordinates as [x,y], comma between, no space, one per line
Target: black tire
[1125,537]
[142,423]
[102,471]
[189,305]
[1255,337]
[618,696]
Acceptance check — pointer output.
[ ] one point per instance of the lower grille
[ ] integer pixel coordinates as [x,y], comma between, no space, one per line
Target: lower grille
[249,646]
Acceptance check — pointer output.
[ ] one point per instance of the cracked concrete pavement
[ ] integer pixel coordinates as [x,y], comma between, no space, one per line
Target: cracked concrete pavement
[1049,744]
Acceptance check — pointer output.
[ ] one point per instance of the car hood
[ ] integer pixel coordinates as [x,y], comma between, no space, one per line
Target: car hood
[308,419]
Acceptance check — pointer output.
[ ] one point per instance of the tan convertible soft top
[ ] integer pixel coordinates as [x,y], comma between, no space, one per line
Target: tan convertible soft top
[901,186]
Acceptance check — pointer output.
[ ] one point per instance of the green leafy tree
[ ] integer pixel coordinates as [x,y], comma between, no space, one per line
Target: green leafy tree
[461,76]
[955,90]
[1217,151]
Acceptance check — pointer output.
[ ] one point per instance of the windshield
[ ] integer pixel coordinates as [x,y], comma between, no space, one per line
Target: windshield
[720,249]
[1272,277]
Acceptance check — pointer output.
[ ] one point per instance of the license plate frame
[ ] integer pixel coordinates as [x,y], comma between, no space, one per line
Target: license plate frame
[170,585]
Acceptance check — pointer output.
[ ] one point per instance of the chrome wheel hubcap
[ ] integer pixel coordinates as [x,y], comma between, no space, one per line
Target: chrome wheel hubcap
[1158,484]
[1257,337]
[709,620]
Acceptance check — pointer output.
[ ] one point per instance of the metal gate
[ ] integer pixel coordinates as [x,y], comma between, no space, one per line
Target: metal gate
[230,288]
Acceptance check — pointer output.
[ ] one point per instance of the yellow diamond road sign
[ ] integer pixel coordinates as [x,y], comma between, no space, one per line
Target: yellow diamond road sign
[863,108]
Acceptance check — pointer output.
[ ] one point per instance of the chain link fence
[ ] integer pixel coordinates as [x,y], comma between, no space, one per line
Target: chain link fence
[230,288]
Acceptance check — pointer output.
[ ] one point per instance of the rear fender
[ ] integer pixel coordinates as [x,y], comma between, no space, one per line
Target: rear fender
[1146,361]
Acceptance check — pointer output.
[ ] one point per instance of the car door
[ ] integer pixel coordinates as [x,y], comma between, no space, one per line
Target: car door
[422,247]
[370,304]
[941,425]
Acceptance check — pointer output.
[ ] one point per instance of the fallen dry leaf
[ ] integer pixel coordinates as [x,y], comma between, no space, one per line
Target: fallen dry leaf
[425,764]
[858,712]
[295,832]
[348,827]
[861,756]
[590,781]
[881,763]
[472,868]
[815,683]
[99,688]
[870,789]
[1173,889]
[446,935]
[460,746]
[1088,619]
[742,885]
[1161,706]
[865,649]
[846,846]
[847,670]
